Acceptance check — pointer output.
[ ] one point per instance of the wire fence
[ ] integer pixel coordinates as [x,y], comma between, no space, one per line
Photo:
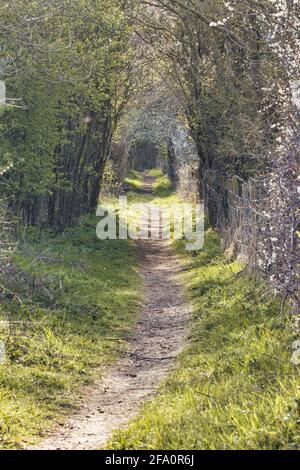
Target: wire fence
[253,230]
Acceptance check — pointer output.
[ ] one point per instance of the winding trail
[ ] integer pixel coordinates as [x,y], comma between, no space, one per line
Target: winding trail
[157,339]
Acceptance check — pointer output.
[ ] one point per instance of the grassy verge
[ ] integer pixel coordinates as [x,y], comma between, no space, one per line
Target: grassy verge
[76,297]
[162,187]
[134,180]
[234,386]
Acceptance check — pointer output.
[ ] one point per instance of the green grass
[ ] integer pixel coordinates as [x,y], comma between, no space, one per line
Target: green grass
[163,187]
[134,180]
[163,192]
[234,386]
[79,298]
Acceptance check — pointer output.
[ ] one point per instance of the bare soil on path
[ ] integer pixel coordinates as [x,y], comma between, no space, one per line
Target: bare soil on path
[154,344]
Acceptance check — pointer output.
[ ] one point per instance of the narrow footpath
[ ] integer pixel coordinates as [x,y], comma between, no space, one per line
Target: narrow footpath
[156,341]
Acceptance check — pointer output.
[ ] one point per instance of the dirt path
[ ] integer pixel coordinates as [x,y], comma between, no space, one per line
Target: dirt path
[153,346]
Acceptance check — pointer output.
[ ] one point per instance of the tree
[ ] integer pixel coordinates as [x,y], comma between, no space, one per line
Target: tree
[232,66]
[70,63]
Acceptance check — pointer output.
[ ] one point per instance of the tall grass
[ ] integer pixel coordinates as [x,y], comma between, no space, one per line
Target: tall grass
[234,386]
[59,344]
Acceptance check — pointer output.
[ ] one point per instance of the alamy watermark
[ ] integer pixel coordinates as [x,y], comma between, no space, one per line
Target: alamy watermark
[153,222]
[2,93]
[295,359]
[2,353]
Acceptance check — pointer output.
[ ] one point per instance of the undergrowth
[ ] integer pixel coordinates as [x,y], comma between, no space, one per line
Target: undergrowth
[134,180]
[68,303]
[234,386]
[70,299]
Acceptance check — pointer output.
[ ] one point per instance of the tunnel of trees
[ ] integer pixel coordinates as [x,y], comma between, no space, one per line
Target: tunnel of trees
[206,89]
[143,156]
